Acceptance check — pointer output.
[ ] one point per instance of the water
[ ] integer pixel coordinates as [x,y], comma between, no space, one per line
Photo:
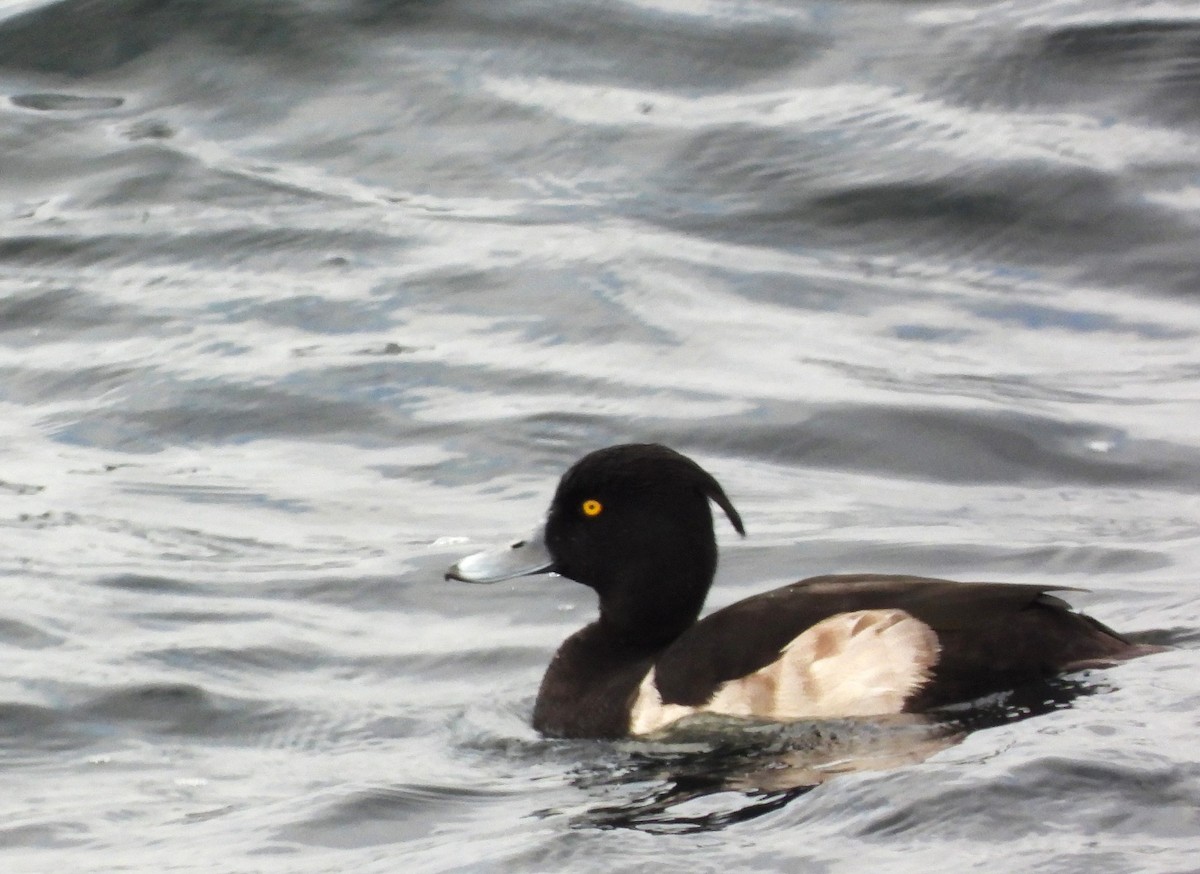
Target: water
[302,301]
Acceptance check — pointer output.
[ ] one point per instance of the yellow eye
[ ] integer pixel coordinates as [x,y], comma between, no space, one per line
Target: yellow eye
[591,507]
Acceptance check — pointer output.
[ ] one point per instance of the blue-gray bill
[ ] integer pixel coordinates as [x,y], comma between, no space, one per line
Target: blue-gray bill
[528,556]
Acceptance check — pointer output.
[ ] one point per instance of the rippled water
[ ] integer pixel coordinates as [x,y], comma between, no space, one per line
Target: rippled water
[301,301]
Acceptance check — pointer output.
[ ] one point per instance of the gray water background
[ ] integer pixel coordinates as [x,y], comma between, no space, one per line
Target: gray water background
[302,300]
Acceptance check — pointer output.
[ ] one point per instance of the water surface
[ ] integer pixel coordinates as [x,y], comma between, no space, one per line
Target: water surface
[301,301]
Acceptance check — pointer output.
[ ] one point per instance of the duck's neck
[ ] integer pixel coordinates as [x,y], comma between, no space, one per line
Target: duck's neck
[649,605]
[641,627]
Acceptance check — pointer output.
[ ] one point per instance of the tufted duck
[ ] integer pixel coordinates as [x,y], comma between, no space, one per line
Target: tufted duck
[633,523]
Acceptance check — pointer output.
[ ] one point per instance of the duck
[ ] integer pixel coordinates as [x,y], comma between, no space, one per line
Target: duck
[634,523]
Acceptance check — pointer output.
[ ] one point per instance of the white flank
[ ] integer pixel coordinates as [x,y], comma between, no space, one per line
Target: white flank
[864,663]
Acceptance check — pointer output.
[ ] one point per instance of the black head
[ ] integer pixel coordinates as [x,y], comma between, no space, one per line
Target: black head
[633,522]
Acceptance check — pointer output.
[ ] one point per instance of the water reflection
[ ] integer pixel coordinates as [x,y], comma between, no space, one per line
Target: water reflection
[708,772]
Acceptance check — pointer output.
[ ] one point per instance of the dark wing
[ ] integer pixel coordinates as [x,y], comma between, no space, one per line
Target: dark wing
[992,636]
